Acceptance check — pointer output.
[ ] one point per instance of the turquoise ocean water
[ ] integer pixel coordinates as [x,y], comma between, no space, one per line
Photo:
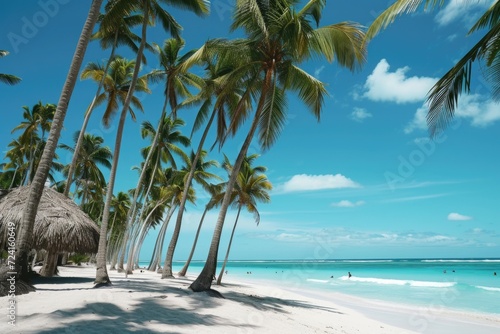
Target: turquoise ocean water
[457,284]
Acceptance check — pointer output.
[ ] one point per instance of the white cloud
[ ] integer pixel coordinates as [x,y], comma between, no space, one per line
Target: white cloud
[304,182]
[360,114]
[318,71]
[458,217]
[347,204]
[382,85]
[478,109]
[462,10]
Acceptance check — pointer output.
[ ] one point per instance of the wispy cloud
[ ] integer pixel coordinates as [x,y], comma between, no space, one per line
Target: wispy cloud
[360,114]
[383,85]
[347,204]
[336,237]
[462,10]
[458,217]
[318,71]
[476,108]
[304,182]
[415,198]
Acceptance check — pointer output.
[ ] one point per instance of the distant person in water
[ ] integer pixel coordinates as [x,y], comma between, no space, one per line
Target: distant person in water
[349,274]
[494,273]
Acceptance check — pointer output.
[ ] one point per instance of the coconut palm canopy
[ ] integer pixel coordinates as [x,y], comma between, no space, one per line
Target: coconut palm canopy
[60,225]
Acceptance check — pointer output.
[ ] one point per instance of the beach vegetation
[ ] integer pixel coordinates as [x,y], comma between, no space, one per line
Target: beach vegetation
[278,38]
[442,99]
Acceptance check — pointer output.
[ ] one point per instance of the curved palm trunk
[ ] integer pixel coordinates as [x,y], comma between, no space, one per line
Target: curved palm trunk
[25,232]
[190,257]
[79,142]
[155,262]
[204,281]
[131,214]
[167,268]
[102,277]
[219,279]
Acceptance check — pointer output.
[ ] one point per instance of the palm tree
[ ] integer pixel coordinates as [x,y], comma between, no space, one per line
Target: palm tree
[279,37]
[8,79]
[216,193]
[251,186]
[92,155]
[25,232]
[176,83]
[443,96]
[120,34]
[212,93]
[167,139]
[151,11]
[117,89]
[39,118]
[201,175]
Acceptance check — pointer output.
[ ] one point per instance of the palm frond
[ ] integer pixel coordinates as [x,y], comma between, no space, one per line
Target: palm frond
[443,97]
[399,7]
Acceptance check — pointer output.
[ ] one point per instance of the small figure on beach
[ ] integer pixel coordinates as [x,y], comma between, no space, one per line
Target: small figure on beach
[349,274]
[444,271]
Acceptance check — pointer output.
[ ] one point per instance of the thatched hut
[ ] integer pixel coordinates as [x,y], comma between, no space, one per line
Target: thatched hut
[60,225]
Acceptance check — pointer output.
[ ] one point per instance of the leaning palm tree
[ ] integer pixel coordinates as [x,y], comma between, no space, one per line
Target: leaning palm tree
[151,11]
[8,79]
[201,176]
[251,187]
[25,232]
[176,85]
[116,87]
[120,34]
[216,192]
[279,38]
[164,146]
[443,96]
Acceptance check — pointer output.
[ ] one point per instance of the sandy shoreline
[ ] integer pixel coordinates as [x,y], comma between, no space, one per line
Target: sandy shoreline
[144,303]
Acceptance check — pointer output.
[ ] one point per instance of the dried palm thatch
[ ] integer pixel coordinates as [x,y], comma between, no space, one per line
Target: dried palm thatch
[60,225]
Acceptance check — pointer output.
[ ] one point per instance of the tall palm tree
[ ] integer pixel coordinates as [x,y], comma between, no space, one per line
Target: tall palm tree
[176,85]
[212,95]
[278,38]
[201,176]
[25,232]
[251,187]
[120,34]
[117,89]
[151,11]
[167,139]
[216,192]
[8,79]
[443,96]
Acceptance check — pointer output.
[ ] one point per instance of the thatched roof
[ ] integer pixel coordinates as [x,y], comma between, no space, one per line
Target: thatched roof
[60,225]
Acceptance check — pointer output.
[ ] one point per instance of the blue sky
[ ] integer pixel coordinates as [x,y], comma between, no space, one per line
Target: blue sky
[364,182]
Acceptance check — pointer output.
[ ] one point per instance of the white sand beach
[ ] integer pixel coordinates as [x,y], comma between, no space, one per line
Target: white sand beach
[144,303]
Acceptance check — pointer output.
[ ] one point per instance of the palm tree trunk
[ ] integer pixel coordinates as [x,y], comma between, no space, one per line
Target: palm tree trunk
[102,277]
[49,267]
[204,281]
[190,257]
[25,232]
[167,268]
[86,119]
[219,279]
